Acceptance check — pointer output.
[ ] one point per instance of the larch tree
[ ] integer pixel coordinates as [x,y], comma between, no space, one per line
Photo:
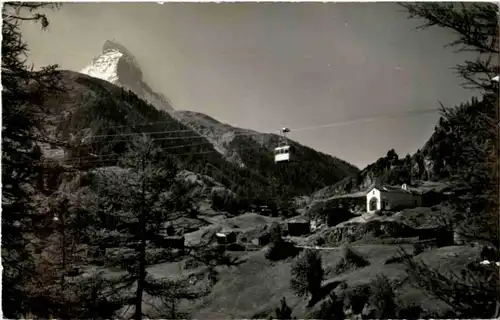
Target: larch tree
[307,274]
[473,127]
[135,202]
[24,92]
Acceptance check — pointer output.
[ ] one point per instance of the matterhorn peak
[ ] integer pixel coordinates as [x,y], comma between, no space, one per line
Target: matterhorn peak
[118,65]
[110,45]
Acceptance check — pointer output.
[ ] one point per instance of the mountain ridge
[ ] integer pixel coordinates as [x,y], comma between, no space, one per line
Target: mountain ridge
[98,119]
[231,142]
[442,158]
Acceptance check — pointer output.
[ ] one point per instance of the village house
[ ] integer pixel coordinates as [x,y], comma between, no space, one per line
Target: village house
[391,198]
[299,227]
[225,237]
[176,242]
[262,240]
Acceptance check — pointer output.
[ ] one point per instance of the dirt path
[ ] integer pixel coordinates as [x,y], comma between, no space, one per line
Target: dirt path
[318,248]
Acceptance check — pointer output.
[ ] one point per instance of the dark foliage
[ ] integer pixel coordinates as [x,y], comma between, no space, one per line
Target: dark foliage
[410,312]
[261,182]
[275,233]
[357,298]
[279,248]
[382,299]
[284,312]
[337,215]
[418,248]
[465,148]
[350,260]
[133,204]
[307,274]
[230,203]
[332,309]
[470,294]
[23,95]
[476,29]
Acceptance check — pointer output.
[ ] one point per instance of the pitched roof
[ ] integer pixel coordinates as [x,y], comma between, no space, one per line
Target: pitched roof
[394,189]
[298,220]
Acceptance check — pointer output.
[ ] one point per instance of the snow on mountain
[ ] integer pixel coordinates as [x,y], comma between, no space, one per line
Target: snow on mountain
[118,66]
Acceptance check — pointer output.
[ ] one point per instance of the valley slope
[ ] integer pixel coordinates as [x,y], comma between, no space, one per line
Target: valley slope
[98,120]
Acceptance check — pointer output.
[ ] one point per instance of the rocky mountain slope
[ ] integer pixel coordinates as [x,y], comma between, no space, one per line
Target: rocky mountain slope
[97,120]
[249,154]
[459,133]
[118,66]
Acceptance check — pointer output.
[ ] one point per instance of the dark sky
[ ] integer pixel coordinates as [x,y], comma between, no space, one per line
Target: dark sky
[268,65]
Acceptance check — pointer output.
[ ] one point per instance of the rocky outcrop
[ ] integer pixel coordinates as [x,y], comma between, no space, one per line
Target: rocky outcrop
[351,232]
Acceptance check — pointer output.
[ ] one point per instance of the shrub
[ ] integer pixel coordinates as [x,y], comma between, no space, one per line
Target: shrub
[382,299]
[418,249]
[350,260]
[489,253]
[284,312]
[275,233]
[307,274]
[235,247]
[357,298]
[279,248]
[410,312]
[218,201]
[333,308]
[320,242]
[337,215]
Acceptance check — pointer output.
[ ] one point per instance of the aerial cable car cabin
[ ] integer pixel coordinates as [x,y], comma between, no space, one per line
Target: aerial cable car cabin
[283,152]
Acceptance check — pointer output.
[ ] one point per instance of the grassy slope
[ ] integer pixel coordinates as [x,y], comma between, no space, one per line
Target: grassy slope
[256,287]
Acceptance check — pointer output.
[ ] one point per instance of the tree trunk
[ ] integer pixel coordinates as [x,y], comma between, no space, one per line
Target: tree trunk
[142,253]
[142,276]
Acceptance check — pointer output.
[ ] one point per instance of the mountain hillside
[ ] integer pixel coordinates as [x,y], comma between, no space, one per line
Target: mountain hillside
[253,150]
[118,66]
[459,133]
[98,120]
[244,149]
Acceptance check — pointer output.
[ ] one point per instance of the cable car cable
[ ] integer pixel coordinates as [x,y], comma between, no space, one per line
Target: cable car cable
[259,133]
[333,124]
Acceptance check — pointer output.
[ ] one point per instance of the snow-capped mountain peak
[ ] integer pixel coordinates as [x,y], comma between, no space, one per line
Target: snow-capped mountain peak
[118,66]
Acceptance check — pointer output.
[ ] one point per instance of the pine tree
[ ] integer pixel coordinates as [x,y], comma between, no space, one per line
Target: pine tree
[135,202]
[62,291]
[472,129]
[307,274]
[23,95]
[473,126]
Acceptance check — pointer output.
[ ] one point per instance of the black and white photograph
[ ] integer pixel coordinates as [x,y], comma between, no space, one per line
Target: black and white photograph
[250,160]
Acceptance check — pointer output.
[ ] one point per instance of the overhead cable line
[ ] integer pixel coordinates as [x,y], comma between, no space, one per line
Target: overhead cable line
[338,123]
[334,124]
